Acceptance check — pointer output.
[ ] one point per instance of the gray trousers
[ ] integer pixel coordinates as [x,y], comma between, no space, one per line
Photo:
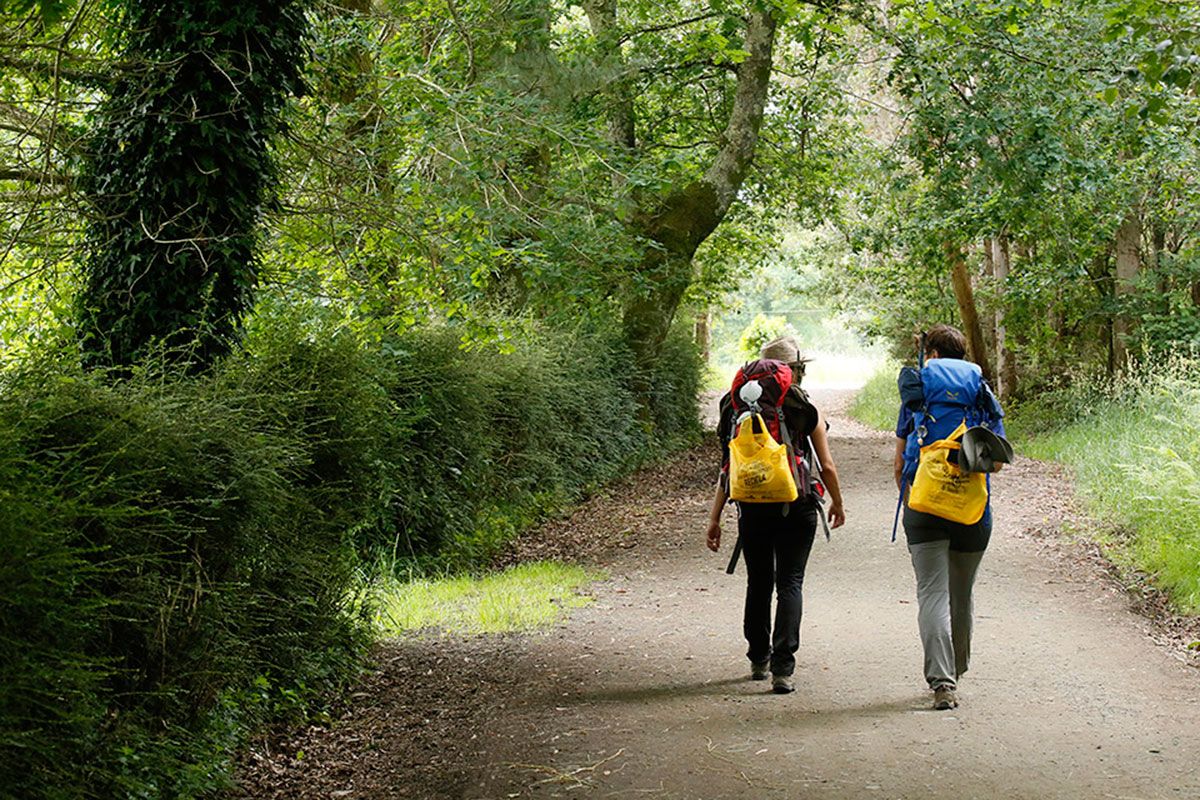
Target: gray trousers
[945,580]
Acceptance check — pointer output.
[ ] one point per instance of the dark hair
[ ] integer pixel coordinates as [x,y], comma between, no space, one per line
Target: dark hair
[947,340]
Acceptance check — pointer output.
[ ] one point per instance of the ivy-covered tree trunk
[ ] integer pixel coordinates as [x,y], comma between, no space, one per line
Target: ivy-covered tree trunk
[179,173]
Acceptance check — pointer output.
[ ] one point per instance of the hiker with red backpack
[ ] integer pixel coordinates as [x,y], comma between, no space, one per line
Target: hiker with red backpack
[948,437]
[777,467]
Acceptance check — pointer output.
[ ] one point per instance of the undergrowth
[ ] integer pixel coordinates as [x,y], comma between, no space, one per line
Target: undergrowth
[184,554]
[1135,451]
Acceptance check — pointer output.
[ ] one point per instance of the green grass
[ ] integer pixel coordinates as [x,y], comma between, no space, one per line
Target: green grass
[1136,456]
[522,598]
[878,402]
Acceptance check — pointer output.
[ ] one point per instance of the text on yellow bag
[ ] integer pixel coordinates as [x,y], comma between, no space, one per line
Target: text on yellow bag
[942,489]
[760,468]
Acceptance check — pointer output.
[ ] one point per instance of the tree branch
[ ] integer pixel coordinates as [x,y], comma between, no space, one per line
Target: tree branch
[729,168]
[32,176]
[602,17]
[670,25]
[96,79]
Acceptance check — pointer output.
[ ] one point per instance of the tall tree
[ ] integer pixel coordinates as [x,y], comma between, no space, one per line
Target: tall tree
[180,171]
[674,225]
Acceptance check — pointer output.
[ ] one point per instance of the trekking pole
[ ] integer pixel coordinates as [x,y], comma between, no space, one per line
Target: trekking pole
[824,490]
[737,551]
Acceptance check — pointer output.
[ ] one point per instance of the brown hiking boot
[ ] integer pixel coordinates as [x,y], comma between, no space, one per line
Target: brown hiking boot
[759,670]
[782,684]
[944,698]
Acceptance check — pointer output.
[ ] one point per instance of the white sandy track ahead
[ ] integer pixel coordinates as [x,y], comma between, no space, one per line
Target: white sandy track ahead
[1066,697]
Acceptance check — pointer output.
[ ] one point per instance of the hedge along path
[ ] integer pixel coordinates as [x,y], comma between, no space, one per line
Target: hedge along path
[645,692]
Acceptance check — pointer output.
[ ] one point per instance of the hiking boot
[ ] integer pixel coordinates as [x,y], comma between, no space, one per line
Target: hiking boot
[782,684]
[944,698]
[759,670]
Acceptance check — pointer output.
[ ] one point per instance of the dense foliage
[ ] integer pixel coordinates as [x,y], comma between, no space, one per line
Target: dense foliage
[179,172]
[192,548]
[1033,180]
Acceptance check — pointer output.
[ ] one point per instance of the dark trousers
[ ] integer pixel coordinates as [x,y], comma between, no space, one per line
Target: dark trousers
[776,549]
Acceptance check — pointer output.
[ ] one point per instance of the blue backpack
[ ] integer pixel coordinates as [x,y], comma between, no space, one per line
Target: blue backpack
[941,394]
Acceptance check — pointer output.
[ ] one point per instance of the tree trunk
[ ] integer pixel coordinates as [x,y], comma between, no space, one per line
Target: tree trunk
[1128,264]
[703,335]
[677,224]
[1006,368]
[173,241]
[965,295]
[602,18]
[1158,245]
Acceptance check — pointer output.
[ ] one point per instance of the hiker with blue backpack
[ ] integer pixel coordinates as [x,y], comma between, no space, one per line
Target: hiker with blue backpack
[777,468]
[948,438]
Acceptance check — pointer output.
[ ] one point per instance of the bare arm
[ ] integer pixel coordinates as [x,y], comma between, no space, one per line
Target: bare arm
[713,538]
[837,512]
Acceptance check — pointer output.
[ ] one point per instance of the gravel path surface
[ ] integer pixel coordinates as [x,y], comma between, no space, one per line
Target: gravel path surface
[645,693]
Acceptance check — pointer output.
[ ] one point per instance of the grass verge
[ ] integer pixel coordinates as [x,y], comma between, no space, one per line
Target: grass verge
[1135,451]
[522,598]
[876,405]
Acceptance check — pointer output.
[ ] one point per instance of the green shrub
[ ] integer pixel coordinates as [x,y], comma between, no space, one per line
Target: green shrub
[184,555]
[761,330]
[482,444]
[185,548]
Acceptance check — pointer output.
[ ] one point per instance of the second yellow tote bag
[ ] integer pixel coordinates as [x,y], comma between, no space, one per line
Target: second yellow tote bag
[942,489]
[760,469]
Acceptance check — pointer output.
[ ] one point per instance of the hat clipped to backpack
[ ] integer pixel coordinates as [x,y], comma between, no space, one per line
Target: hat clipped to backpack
[982,450]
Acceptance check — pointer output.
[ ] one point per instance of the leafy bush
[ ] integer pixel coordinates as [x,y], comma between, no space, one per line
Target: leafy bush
[761,330]
[184,554]
[482,444]
[180,546]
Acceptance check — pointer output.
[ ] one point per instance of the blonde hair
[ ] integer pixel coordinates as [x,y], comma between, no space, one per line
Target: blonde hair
[787,350]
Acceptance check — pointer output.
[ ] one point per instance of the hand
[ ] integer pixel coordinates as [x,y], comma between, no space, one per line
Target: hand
[837,515]
[713,538]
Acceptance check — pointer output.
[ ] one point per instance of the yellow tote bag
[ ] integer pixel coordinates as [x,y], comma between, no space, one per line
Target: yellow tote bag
[760,469]
[942,489]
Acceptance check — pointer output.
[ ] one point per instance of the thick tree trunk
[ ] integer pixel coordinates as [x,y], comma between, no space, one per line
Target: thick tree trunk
[687,216]
[1128,264]
[965,295]
[1006,368]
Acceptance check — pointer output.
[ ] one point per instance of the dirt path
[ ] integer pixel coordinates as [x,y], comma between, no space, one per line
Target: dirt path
[645,693]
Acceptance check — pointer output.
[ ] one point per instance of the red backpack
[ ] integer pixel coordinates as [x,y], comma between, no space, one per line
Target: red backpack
[771,381]
[774,378]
